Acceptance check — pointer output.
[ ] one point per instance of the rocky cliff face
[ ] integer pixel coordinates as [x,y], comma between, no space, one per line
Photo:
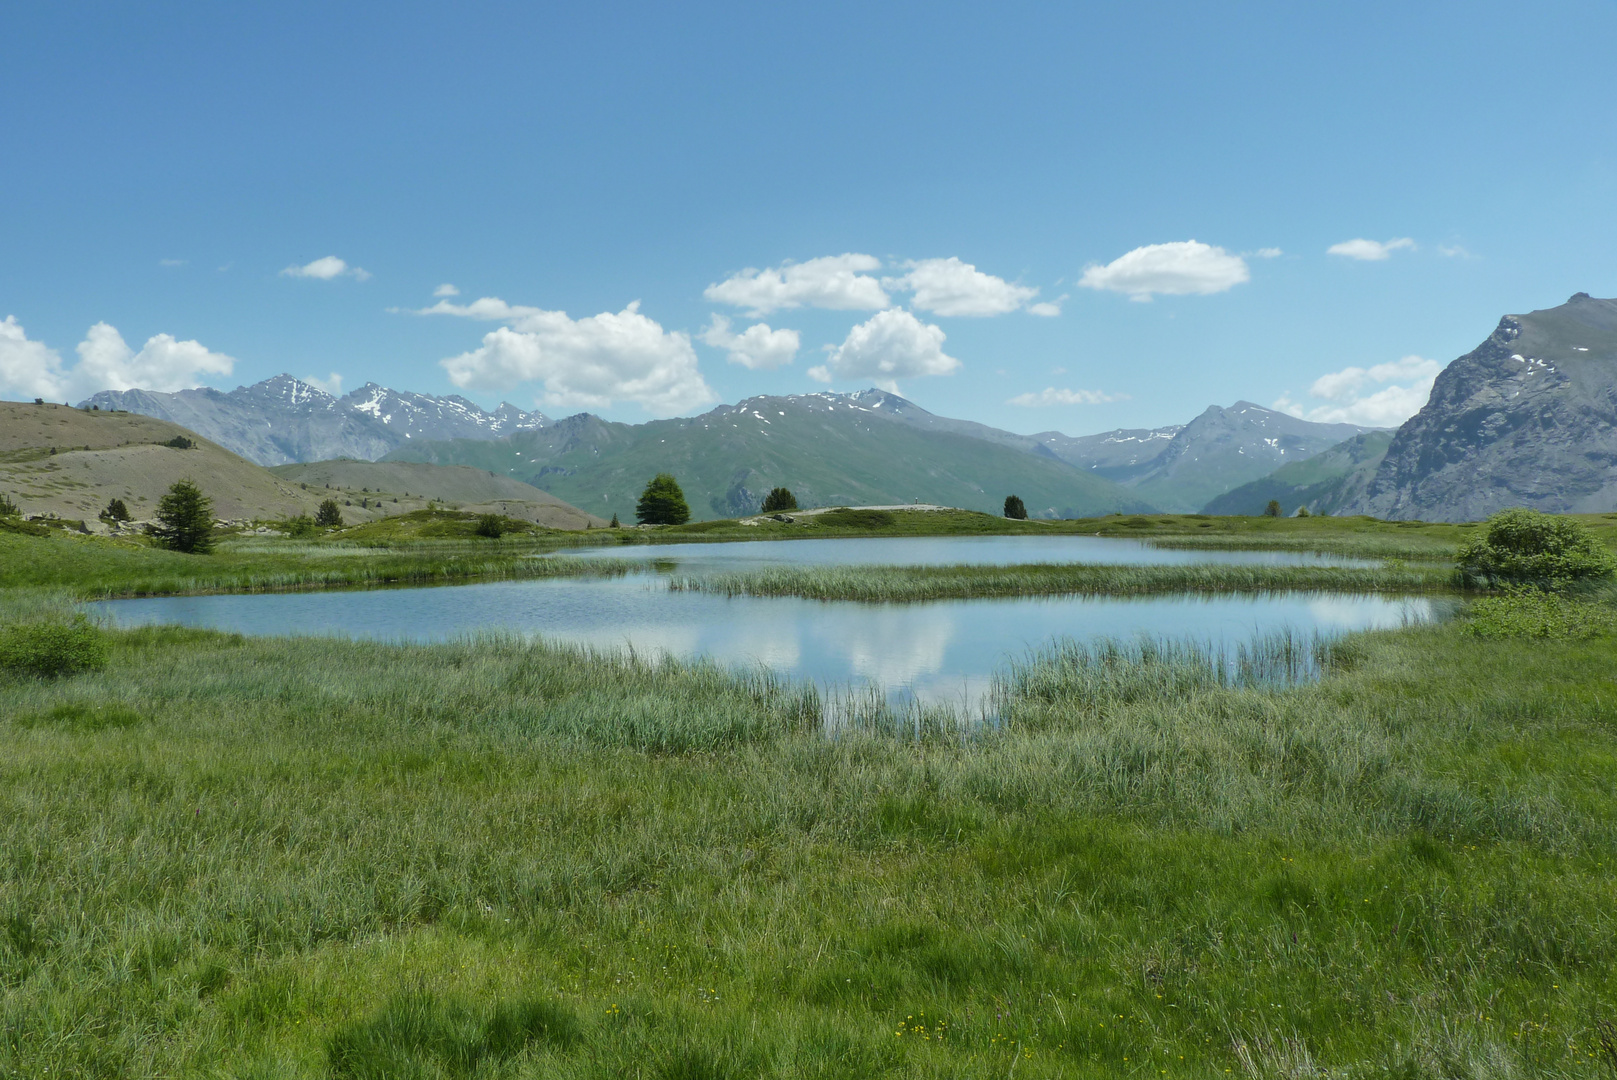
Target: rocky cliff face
[1527,418]
[284,420]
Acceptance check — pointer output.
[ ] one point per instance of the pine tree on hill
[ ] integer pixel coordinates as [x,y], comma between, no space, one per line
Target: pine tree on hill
[185,519]
[662,503]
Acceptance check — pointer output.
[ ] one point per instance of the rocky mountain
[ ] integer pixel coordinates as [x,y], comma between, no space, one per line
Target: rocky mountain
[284,420]
[1324,483]
[830,449]
[1181,467]
[1527,418]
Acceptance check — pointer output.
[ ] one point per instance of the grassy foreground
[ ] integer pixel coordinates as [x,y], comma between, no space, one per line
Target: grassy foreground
[312,858]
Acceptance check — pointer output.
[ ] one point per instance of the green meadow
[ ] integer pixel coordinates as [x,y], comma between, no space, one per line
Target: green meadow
[234,857]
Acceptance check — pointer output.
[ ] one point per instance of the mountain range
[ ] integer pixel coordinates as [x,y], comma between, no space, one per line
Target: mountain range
[284,420]
[1528,418]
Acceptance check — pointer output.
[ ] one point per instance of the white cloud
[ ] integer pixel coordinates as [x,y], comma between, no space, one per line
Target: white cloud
[583,363]
[446,289]
[29,369]
[837,282]
[171,263]
[32,369]
[1184,267]
[331,384]
[1454,251]
[1051,395]
[163,363]
[951,287]
[1048,309]
[757,347]
[1370,250]
[890,345]
[1405,385]
[1268,253]
[325,269]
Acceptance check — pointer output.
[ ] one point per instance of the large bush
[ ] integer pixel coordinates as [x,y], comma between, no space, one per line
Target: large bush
[328,516]
[52,648]
[1015,508]
[185,519]
[1525,547]
[662,503]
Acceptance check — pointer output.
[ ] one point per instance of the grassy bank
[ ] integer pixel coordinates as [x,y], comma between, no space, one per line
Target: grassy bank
[880,584]
[97,567]
[309,858]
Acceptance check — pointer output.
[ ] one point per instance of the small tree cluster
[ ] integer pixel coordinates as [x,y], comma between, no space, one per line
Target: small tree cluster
[180,442]
[1015,509]
[1526,547]
[116,511]
[491,526]
[662,503]
[7,507]
[777,500]
[329,515]
[1273,509]
[185,519]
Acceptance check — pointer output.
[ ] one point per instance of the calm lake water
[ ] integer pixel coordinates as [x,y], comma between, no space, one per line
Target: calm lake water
[933,651]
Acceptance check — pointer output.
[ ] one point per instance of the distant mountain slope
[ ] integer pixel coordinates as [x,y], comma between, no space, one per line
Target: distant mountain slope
[830,449]
[1527,418]
[457,485]
[66,462]
[1324,483]
[1181,467]
[283,420]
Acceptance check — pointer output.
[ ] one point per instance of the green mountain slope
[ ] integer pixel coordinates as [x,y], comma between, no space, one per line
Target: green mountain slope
[1324,483]
[830,449]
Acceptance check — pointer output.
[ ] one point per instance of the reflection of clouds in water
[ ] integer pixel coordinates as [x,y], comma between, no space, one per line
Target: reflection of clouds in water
[645,641]
[890,646]
[774,645]
[1367,612]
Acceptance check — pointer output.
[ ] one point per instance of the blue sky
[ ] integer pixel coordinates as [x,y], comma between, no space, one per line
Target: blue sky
[166,166]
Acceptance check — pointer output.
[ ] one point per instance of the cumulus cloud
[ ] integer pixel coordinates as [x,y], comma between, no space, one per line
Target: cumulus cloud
[446,289]
[32,369]
[757,347]
[1454,251]
[1048,309]
[1370,250]
[1384,395]
[1268,253]
[951,287]
[1051,395]
[836,282]
[326,269]
[1181,268]
[331,384]
[582,363]
[889,346]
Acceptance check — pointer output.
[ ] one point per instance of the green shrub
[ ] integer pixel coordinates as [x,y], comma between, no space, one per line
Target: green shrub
[1015,509]
[185,519]
[1273,509]
[1525,547]
[7,507]
[328,516]
[491,526]
[116,511]
[300,527]
[180,442]
[777,500]
[1534,613]
[662,503]
[51,649]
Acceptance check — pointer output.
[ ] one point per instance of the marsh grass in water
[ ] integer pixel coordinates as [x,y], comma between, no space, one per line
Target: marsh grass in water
[884,584]
[101,567]
[222,856]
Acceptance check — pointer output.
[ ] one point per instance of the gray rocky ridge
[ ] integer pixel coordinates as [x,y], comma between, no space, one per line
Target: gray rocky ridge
[1527,418]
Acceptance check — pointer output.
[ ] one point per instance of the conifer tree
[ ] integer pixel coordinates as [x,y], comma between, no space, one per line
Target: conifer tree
[662,503]
[185,519]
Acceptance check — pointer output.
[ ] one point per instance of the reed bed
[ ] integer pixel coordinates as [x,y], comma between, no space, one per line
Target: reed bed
[102,569]
[881,584]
